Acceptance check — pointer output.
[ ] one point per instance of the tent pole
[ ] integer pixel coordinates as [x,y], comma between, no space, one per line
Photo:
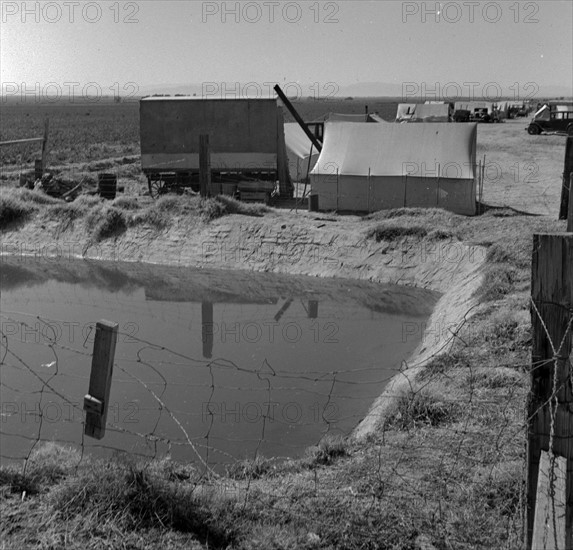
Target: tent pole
[438,188]
[482,178]
[368,195]
[337,196]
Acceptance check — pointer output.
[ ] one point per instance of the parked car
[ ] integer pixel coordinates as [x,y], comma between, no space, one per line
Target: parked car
[554,116]
[462,115]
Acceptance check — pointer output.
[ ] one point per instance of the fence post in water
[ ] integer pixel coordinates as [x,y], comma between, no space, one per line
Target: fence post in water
[550,404]
[204,165]
[97,400]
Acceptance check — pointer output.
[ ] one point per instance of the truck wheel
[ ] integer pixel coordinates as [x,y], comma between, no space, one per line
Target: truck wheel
[533,130]
[570,130]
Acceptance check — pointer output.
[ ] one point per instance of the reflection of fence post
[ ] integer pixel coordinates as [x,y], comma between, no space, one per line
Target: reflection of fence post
[312,309]
[97,400]
[204,165]
[207,329]
[550,407]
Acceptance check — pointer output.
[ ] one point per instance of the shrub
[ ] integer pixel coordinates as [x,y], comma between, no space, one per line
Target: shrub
[499,281]
[135,497]
[250,469]
[105,222]
[126,203]
[421,407]
[394,232]
[13,209]
[326,452]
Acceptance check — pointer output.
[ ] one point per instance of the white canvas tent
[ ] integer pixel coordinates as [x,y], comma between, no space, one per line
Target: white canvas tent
[431,112]
[300,152]
[343,117]
[369,167]
[473,105]
[405,111]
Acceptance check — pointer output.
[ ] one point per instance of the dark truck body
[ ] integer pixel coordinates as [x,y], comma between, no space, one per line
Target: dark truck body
[246,142]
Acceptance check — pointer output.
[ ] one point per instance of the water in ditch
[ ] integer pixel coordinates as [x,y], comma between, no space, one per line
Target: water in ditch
[211,366]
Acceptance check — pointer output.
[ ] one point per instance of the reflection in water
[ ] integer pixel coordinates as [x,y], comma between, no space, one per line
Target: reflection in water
[245,362]
[283,310]
[207,329]
[312,309]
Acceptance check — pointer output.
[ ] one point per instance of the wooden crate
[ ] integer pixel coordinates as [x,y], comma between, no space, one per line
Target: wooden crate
[257,196]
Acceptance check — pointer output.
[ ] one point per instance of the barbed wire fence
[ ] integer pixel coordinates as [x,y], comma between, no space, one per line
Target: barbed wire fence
[152,419]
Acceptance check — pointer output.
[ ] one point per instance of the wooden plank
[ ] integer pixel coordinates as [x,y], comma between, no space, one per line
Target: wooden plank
[549,523]
[552,297]
[259,196]
[15,141]
[97,400]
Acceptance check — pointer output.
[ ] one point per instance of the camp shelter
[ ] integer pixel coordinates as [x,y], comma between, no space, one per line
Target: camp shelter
[431,112]
[375,117]
[302,155]
[472,106]
[343,117]
[370,167]
[245,137]
[502,108]
[405,111]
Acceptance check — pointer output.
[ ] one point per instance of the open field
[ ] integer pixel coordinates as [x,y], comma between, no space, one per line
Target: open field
[438,464]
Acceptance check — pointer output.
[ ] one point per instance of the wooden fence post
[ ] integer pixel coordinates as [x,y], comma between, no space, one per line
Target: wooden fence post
[97,400]
[204,165]
[566,192]
[45,143]
[570,213]
[550,405]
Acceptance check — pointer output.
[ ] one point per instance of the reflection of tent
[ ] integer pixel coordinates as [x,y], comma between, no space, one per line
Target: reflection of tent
[405,111]
[369,167]
[431,112]
[299,153]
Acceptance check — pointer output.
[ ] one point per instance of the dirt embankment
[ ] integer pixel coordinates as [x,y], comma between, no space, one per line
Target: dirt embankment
[295,243]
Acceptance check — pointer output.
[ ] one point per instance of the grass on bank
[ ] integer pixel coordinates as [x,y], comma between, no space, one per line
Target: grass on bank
[106,219]
[446,470]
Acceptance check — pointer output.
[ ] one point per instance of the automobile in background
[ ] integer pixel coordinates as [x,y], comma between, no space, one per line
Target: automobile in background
[554,116]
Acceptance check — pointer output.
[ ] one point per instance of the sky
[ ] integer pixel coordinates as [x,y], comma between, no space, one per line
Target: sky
[322,47]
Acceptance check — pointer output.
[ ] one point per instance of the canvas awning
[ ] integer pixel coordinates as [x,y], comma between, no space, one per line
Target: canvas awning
[431,112]
[299,150]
